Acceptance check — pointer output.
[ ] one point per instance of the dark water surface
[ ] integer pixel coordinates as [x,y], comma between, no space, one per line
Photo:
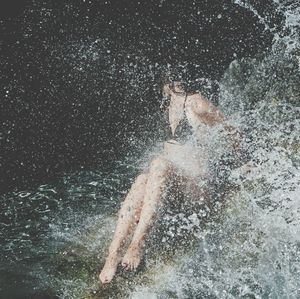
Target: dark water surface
[80,118]
[80,78]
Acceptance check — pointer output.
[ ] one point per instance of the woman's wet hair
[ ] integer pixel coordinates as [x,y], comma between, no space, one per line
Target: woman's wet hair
[171,80]
[192,84]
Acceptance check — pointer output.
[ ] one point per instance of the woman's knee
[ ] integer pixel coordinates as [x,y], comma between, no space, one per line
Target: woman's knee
[160,165]
[141,179]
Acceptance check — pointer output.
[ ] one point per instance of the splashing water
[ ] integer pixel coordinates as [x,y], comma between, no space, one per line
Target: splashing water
[56,237]
[287,34]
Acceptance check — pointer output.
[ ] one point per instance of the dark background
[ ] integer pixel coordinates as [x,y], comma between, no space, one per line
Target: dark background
[80,79]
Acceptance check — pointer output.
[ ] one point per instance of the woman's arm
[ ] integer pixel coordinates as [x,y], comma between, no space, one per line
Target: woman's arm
[209,114]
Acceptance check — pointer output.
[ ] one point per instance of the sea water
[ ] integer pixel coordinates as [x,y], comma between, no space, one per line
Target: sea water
[54,239]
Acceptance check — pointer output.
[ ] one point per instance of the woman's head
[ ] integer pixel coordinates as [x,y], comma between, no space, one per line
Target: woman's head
[178,82]
[187,81]
[173,87]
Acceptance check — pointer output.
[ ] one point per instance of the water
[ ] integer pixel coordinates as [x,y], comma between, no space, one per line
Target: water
[54,238]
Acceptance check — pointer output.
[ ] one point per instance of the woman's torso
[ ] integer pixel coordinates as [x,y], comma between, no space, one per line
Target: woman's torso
[184,147]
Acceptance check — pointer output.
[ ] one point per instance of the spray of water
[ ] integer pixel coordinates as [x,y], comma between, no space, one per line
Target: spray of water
[248,247]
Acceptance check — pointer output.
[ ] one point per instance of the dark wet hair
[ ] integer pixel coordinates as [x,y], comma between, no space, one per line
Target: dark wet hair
[170,79]
[192,82]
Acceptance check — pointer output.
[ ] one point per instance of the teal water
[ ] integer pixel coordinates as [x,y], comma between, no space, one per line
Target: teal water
[54,238]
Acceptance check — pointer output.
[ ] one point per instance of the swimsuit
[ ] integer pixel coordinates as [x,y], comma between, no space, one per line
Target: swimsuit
[181,150]
[183,130]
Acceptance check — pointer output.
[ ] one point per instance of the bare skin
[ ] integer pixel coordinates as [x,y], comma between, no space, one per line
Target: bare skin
[141,204]
[128,217]
[157,179]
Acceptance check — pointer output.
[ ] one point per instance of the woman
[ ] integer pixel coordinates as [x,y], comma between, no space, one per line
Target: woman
[189,114]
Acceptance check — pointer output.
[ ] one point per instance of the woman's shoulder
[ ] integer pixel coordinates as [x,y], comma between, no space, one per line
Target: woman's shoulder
[198,103]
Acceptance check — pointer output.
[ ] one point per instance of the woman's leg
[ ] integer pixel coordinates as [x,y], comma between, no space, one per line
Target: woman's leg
[159,173]
[128,217]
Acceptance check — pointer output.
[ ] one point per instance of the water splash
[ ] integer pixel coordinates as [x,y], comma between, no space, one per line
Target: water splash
[286,35]
[57,235]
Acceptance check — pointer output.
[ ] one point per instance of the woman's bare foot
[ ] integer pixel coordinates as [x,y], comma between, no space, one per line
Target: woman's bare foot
[109,270]
[133,256]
